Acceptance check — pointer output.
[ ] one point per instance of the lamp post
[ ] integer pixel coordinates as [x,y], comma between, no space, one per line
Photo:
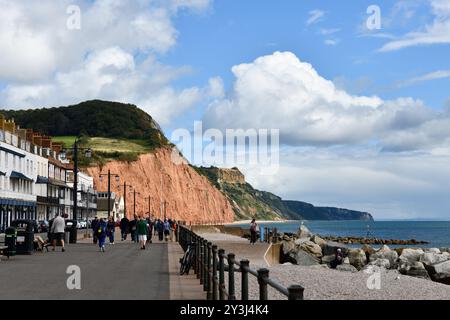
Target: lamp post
[74,150]
[134,202]
[149,198]
[109,187]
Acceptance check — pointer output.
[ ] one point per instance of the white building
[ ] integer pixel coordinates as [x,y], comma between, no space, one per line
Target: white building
[87,196]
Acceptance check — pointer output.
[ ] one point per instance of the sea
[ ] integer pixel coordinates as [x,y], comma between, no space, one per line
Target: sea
[437,233]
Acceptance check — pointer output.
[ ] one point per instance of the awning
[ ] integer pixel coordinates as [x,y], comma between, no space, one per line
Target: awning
[57,183]
[14,202]
[2,173]
[42,180]
[18,175]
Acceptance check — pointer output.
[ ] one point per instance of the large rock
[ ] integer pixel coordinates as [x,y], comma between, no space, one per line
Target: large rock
[414,269]
[433,250]
[357,258]
[410,256]
[368,250]
[385,253]
[330,248]
[346,268]
[318,240]
[440,272]
[327,259]
[381,263]
[288,246]
[303,258]
[311,248]
[303,232]
[431,258]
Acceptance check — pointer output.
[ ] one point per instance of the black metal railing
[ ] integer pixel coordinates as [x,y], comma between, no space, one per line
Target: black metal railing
[211,264]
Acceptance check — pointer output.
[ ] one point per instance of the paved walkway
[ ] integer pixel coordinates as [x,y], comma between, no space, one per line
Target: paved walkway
[122,272]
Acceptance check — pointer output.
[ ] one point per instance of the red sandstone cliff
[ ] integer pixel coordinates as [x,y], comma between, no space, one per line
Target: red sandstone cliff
[188,195]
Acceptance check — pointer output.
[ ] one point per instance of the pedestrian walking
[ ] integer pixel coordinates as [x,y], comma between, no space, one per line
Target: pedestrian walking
[149,230]
[101,234]
[166,226]
[94,226]
[160,228]
[124,228]
[141,231]
[57,231]
[111,230]
[253,234]
[133,226]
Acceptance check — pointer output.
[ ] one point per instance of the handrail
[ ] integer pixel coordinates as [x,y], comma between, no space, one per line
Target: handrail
[210,266]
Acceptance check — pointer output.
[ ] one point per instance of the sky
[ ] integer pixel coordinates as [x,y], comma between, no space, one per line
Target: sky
[362,108]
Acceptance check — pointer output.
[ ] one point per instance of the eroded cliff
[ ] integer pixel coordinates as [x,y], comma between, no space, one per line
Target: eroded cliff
[188,195]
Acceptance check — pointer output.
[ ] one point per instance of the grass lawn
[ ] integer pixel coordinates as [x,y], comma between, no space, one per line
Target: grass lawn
[67,140]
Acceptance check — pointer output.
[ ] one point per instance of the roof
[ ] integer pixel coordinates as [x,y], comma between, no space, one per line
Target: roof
[18,175]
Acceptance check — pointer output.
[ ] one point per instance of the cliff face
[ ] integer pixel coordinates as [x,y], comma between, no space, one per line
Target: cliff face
[188,195]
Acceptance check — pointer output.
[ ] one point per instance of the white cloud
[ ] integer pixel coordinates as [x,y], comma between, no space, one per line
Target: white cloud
[45,64]
[440,74]
[281,92]
[331,42]
[437,32]
[391,186]
[315,16]
[327,32]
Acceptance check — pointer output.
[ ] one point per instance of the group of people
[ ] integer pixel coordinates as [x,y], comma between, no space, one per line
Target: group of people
[140,229]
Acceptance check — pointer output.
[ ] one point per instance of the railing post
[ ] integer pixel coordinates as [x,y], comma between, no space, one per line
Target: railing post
[205,265]
[197,257]
[275,235]
[245,264]
[209,274]
[266,235]
[221,274]
[231,286]
[214,277]
[263,275]
[296,292]
[201,260]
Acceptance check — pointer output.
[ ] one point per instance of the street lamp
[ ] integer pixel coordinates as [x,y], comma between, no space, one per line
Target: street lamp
[134,200]
[117,177]
[63,155]
[149,198]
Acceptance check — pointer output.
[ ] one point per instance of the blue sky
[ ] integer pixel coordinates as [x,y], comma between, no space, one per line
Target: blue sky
[233,32]
[363,115]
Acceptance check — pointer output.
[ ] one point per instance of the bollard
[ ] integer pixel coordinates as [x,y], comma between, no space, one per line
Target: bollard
[214,277]
[231,287]
[205,265]
[221,274]
[296,292]
[209,273]
[263,275]
[201,261]
[244,264]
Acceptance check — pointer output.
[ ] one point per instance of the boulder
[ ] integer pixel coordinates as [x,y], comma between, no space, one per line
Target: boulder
[414,269]
[288,246]
[410,256]
[346,268]
[385,253]
[440,272]
[318,240]
[357,258]
[368,250]
[330,248]
[303,258]
[303,232]
[327,259]
[381,263]
[311,248]
[346,261]
[432,250]
[431,258]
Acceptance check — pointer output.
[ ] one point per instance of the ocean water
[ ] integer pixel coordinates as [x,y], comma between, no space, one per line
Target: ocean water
[437,233]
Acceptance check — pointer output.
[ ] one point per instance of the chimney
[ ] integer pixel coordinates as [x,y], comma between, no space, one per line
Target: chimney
[46,142]
[37,139]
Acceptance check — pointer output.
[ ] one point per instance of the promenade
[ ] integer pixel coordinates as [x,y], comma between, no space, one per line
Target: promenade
[123,272]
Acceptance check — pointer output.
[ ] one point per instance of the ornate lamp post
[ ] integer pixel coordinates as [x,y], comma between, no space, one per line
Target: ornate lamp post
[117,177]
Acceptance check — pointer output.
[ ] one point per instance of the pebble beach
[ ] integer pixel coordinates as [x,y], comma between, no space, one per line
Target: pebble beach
[322,283]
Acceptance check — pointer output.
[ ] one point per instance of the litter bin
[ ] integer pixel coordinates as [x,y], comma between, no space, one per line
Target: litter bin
[71,229]
[10,241]
[25,236]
